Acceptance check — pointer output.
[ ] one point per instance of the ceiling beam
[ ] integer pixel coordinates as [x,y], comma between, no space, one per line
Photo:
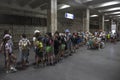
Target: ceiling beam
[37,3]
[30,1]
[22,9]
[21,13]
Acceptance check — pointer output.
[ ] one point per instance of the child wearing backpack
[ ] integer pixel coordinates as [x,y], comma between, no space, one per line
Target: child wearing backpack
[24,45]
[49,49]
[39,52]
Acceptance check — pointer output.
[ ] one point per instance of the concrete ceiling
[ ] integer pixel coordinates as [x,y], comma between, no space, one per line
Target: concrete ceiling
[39,7]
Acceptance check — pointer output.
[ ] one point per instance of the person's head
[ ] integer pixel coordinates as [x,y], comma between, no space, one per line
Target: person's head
[48,35]
[6,38]
[67,31]
[56,34]
[36,33]
[23,35]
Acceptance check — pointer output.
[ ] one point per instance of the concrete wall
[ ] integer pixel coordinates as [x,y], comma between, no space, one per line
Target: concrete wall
[17,30]
[73,25]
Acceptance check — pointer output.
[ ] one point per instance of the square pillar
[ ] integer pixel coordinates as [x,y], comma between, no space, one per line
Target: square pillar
[86,20]
[52,16]
[103,23]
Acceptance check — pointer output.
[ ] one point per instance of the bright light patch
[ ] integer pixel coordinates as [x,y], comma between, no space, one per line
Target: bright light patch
[85,1]
[113,31]
[105,4]
[109,3]
[117,15]
[115,12]
[93,15]
[113,28]
[107,20]
[64,6]
[111,9]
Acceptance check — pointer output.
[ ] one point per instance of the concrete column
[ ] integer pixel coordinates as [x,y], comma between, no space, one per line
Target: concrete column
[117,26]
[87,19]
[103,23]
[100,22]
[52,16]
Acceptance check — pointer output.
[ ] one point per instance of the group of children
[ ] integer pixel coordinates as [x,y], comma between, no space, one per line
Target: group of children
[97,40]
[49,49]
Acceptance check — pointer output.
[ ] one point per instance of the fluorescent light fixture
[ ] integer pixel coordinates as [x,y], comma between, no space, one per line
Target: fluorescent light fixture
[115,12]
[85,1]
[117,15]
[105,4]
[109,3]
[106,20]
[111,9]
[118,12]
[93,15]
[64,6]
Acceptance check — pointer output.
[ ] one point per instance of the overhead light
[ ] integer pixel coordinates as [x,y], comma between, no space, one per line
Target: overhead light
[63,6]
[106,20]
[105,4]
[85,1]
[109,3]
[106,14]
[111,9]
[117,15]
[93,15]
[115,12]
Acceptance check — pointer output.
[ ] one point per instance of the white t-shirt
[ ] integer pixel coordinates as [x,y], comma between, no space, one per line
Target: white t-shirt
[8,47]
[21,42]
[98,39]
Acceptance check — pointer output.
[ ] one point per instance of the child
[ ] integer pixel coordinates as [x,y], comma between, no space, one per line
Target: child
[49,49]
[10,57]
[39,51]
[24,45]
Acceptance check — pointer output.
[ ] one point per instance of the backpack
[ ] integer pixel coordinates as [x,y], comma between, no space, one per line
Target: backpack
[39,46]
[24,44]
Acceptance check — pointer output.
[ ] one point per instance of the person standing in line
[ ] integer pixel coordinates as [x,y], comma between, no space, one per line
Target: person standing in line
[2,45]
[24,47]
[10,58]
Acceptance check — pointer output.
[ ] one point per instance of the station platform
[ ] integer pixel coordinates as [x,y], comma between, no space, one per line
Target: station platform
[103,64]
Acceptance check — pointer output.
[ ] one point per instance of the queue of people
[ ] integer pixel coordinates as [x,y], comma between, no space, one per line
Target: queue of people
[50,49]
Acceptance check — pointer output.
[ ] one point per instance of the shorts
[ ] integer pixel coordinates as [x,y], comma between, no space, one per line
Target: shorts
[63,46]
[25,54]
[56,51]
[39,53]
[103,39]
[48,49]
